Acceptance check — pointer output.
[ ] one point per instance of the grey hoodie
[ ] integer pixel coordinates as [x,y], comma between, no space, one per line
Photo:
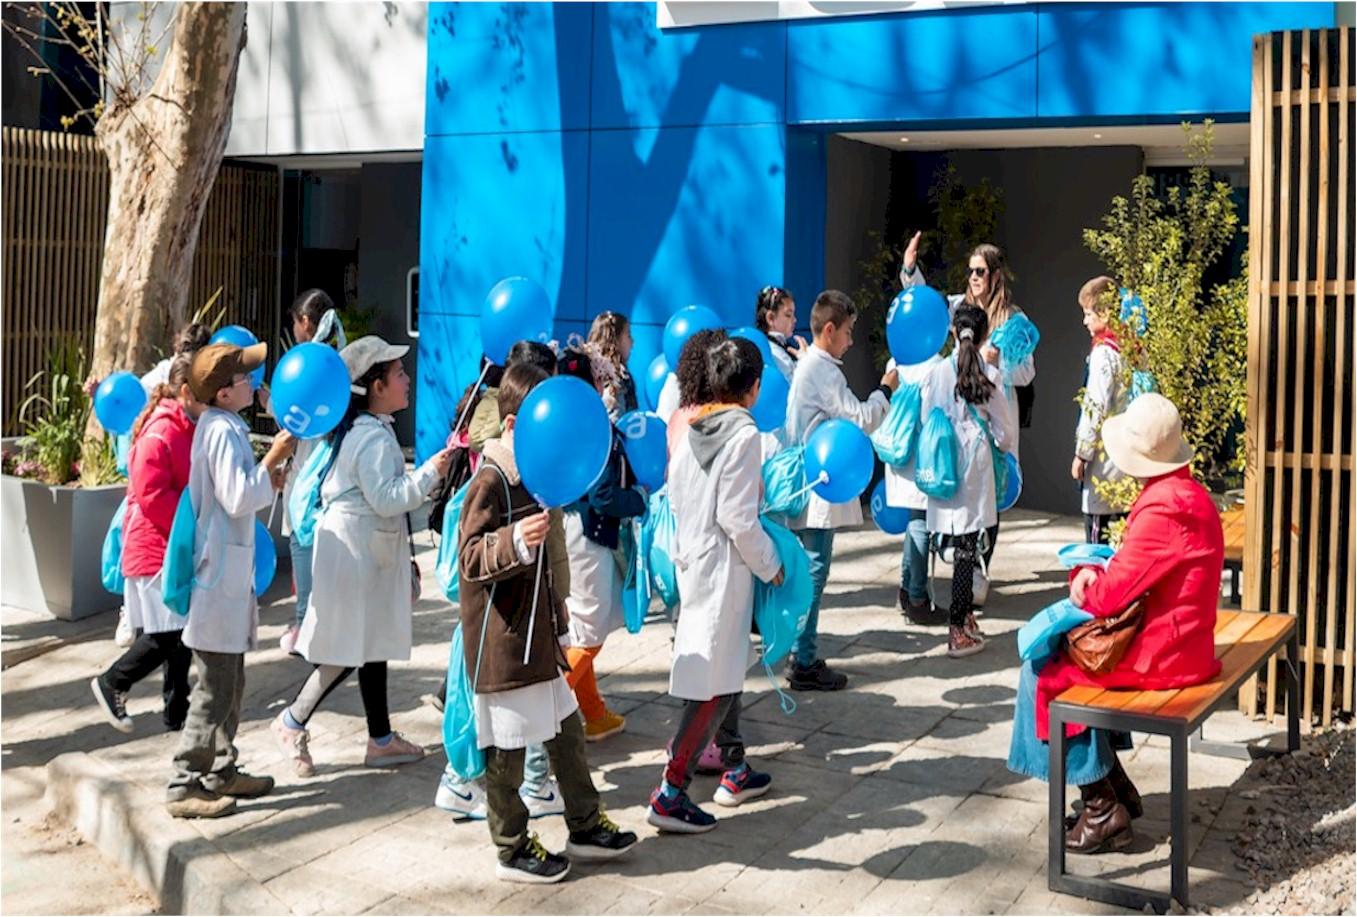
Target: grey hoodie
[709,435]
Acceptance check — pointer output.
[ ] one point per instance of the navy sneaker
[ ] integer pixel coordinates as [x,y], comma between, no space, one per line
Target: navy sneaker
[604,841]
[678,814]
[533,864]
[741,784]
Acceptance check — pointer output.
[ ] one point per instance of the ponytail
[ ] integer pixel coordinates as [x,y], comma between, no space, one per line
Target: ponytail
[970,326]
[770,300]
[176,379]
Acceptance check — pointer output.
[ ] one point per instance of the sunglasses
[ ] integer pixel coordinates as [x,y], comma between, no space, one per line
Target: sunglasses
[978,271]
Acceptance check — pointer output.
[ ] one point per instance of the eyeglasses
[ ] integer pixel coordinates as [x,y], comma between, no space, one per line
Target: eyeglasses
[243,380]
[978,271]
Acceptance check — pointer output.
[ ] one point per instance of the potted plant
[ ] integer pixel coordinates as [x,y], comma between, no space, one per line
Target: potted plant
[58,493]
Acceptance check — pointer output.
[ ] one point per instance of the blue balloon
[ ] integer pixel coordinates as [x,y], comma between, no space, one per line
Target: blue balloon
[770,411]
[839,457]
[240,336]
[310,390]
[916,325]
[265,558]
[682,325]
[1013,484]
[893,520]
[760,340]
[646,446]
[656,374]
[516,309]
[117,402]
[562,438]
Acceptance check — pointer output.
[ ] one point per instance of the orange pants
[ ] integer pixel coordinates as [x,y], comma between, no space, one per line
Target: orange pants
[582,681]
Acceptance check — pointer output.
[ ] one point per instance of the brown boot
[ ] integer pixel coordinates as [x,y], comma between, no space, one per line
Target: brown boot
[1127,794]
[1103,824]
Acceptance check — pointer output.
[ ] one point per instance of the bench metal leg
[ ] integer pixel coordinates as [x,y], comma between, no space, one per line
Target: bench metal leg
[1055,857]
[1178,816]
[1292,666]
[1244,751]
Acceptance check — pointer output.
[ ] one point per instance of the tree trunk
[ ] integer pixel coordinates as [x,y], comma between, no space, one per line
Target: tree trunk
[163,154]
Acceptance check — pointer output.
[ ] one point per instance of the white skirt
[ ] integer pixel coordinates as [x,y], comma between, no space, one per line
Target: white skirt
[143,597]
[523,716]
[595,600]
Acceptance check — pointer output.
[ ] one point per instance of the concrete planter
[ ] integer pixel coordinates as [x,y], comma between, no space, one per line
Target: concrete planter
[52,540]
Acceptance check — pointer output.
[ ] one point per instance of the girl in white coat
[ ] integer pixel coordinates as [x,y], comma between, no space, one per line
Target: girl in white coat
[969,391]
[715,486]
[363,573]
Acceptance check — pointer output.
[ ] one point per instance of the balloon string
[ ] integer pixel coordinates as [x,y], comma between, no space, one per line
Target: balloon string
[536,587]
[822,479]
[783,698]
[273,508]
[479,379]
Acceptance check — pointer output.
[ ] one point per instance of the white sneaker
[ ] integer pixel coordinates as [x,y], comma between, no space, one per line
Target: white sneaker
[288,641]
[124,635]
[979,588]
[545,800]
[462,799]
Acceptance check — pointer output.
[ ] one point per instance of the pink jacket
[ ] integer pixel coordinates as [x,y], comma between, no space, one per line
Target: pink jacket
[157,472]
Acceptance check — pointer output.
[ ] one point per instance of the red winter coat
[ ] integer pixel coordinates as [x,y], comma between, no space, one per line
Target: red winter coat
[157,473]
[1172,555]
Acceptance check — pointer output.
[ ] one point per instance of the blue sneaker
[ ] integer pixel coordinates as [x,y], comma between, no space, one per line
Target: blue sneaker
[678,814]
[741,784]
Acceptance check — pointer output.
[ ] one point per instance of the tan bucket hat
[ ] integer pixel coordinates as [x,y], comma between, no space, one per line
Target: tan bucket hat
[1146,440]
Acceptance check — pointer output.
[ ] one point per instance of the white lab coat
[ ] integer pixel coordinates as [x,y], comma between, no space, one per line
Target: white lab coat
[974,505]
[720,546]
[595,600]
[901,491]
[1104,397]
[1022,374]
[360,567]
[227,488]
[820,392]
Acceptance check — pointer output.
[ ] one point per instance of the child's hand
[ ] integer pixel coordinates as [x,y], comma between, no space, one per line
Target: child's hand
[1077,468]
[912,253]
[798,346]
[534,529]
[442,461]
[891,379]
[284,444]
[990,353]
[781,576]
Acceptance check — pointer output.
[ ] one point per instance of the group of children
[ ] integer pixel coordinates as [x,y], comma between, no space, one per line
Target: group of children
[534,629]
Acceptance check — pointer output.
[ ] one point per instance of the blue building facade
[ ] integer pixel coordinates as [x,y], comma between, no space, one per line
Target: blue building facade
[632,168]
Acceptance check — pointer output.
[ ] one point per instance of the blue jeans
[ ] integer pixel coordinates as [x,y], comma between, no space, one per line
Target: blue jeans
[301,575]
[914,557]
[1088,756]
[819,545]
[535,765]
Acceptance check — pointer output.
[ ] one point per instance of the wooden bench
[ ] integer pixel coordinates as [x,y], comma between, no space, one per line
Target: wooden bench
[1245,640]
[1232,524]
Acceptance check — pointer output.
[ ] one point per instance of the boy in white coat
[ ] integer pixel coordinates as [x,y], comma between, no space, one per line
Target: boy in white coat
[820,392]
[1104,395]
[715,486]
[227,489]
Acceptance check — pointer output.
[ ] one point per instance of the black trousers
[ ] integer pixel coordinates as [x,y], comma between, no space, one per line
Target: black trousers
[371,687]
[150,652]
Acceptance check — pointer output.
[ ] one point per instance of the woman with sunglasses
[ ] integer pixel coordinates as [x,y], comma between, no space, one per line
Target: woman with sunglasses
[986,288]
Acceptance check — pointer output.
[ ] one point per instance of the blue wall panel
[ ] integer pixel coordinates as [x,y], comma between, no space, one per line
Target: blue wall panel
[963,64]
[449,356]
[646,77]
[496,67]
[1156,59]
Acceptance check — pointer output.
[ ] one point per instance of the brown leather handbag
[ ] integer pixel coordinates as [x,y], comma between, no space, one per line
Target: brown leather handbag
[1097,646]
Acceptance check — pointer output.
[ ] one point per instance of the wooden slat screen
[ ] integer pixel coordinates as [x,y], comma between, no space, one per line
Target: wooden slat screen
[55,208]
[1300,501]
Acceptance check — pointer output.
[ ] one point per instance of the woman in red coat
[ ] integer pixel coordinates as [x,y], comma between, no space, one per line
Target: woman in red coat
[1170,559]
[157,474]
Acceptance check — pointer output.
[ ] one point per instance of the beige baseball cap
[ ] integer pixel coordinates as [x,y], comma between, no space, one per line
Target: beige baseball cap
[367,352]
[216,365]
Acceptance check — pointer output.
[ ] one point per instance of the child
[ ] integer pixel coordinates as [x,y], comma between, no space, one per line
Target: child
[1104,396]
[594,602]
[969,390]
[158,471]
[716,487]
[485,422]
[313,319]
[610,339]
[775,316]
[227,489]
[360,616]
[901,491]
[692,384]
[505,595]
[820,392]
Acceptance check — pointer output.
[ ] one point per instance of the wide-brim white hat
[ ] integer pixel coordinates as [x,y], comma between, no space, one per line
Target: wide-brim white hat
[1146,440]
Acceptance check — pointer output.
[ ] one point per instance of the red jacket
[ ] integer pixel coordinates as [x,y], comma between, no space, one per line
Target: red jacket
[157,473]
[1172,555]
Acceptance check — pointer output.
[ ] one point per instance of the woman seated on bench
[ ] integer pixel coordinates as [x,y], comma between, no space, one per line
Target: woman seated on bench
[1170,559]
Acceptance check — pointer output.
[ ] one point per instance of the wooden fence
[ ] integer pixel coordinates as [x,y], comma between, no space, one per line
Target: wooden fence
[1300,501]
[55,208]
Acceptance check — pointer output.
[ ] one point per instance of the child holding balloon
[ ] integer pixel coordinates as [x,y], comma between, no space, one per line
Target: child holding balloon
[820,392]
[512,617]
[365,578]
[775,316]
[969,390]
[227,488]
[716,487]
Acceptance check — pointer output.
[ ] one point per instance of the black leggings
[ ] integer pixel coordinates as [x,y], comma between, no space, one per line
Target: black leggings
[151,652]
[371,687]
[963,567]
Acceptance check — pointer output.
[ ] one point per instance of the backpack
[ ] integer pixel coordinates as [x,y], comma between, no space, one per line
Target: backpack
[636,588]
[996,456]
[659,529]
[781,612]
[460,473]
[303,504]
[784,483]
[460,739]
[898,436]
[446,566]
[1142,383]
[935,465]
[111,554]
[176,576]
